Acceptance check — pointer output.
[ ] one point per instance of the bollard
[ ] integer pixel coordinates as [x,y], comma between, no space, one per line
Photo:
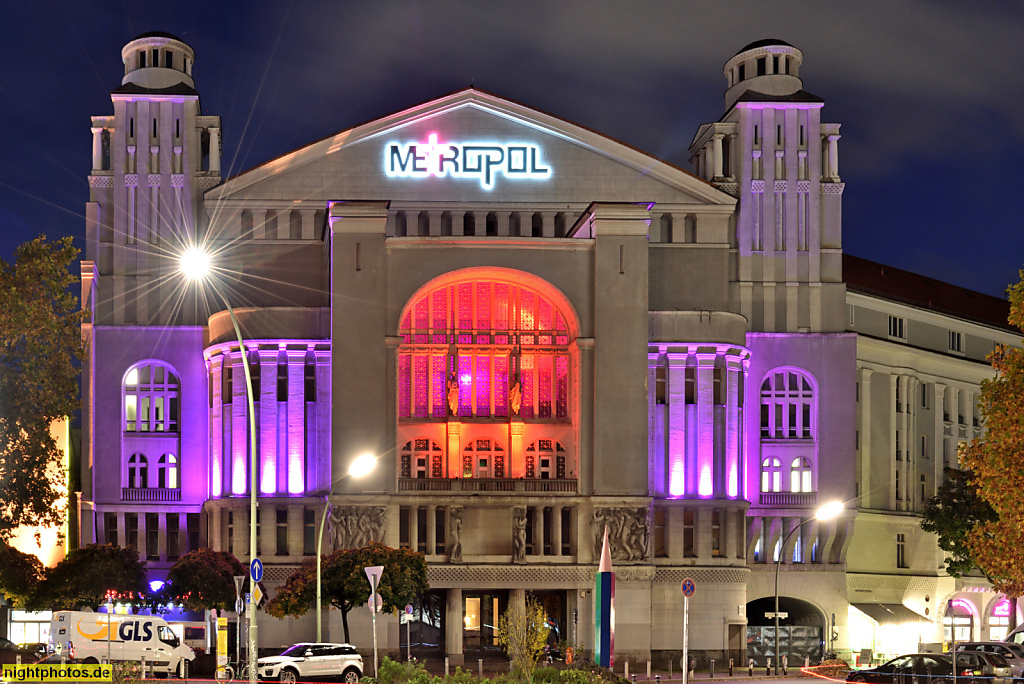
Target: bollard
[143,667]
[690,667]
[648,669]
[732,671]
[634,678]
[711,672]
[17,660]
[807,662]
[626,675]
[657,678]
[446,667]
[750,668]
[480,667]
[768,670]
[669,669]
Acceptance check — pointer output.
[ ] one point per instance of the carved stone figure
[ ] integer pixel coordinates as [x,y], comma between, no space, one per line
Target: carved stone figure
[515,399]
[519,535]
[453,395]
[455,533]
[353,527]
[628,530]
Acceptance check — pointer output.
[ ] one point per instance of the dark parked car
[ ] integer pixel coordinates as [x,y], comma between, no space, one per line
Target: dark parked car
[9,652]
[936,668]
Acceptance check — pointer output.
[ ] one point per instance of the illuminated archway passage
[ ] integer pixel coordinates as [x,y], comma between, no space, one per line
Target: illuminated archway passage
[492,354]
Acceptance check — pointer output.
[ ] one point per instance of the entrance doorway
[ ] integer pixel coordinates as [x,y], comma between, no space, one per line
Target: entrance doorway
[800,632]
[480,622]
[425,627]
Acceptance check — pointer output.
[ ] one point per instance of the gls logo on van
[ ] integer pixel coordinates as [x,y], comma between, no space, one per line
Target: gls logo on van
[135,631]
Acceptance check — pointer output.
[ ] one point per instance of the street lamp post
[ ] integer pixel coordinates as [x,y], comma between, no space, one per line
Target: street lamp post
[825,512]
[195,264]
[360,467]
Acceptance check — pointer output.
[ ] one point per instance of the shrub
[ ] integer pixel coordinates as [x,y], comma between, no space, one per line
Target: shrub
[834,668]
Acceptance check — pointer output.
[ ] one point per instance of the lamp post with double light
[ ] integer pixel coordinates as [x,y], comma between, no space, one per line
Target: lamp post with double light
[826,512]
[362,466]
[195,264]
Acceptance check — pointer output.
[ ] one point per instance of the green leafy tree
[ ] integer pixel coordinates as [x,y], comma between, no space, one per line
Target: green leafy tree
[19,574]
[952,514]
[345,586]
[202,580]
[997,460]
[523,632]
[40,346]
[85,576]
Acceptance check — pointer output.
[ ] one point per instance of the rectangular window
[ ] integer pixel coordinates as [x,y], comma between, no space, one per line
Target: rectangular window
[403,527]
[762,66]
[310,382]
[168,59]
[956,342]
[899,454]
[901,551]
[924,395]
[308,531]
[282,531]
[689,550]
[660,533]
[282,382]
[898,497]
[719,386]
[110,528]
[530,512]
[152,536]
[897,327]
[923,497]
[566,531]
[142,59]
[547,522]
[899,402]
[226,394]
[716,533]
[231,531]
[192,530]
[439,530]
[690,376]
[660,382]
[849,314]
[173,527]
[924,446]
[131,527]
[421,529]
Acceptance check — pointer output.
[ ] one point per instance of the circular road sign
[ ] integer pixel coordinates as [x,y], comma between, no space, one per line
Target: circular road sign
[256,570]
[689,587]
[408,609]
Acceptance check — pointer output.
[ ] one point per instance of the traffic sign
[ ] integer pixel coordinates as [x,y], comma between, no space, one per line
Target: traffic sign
[375,599]
[257,595]
[689,587]
[408,609]
[238,584]
[256,570]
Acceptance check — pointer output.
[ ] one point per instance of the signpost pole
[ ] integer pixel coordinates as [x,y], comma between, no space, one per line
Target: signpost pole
[373,573]
[689,588]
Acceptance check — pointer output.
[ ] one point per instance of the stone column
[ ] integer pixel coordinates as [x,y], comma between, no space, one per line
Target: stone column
[215,149]
[97,149]
[453,628]
[833,158]
[716,154]
[556,530]
[216,541]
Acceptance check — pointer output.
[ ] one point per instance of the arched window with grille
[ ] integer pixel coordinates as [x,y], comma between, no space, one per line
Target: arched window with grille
[771,475]
[422,458]
[483,458]
[167,472]
[138,472]
[801,477]
[788,405]
[545,460]
[151,398]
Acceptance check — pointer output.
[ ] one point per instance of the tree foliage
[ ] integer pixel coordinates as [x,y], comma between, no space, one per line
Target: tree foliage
[40,346]
[997,461]
[952,514]
[345,586]
[19,574]
[85,576]
[523,632]
[202,580]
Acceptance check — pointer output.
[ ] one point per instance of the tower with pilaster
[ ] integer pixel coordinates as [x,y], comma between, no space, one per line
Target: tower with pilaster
[771,150]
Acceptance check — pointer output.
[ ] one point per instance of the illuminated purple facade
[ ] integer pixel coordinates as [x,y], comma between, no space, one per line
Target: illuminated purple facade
[541,332]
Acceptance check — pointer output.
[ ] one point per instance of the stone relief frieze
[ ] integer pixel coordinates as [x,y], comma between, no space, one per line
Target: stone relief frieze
[628,531]
[353,527]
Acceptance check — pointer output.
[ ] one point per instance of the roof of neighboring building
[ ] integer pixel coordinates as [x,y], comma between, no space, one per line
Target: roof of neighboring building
[897,285]
[763,43]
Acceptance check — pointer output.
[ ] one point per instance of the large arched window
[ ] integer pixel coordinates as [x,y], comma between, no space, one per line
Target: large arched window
[545,460]
[151,393]
[787,405]
[801,477]
[138,472]
[167,472]
[771,475]
[482,349]
[422,458]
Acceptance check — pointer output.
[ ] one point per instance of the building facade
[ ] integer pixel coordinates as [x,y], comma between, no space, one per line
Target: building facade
[543,334]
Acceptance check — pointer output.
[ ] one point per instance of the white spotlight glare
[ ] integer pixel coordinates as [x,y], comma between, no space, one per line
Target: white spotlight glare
[195,263]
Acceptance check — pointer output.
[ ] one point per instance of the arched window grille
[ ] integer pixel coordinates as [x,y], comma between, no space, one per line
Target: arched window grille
[788,406]
[151,399]
[771,475]
[167,472]
[138,472]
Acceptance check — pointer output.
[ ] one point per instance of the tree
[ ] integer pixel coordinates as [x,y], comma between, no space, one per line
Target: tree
[202,580]
[345,586]
[952,514]
[19,574]
[40,347]
[86,575]
[997,461]
[523,632]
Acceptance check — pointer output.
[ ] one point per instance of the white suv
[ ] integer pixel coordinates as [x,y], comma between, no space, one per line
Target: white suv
[313,661]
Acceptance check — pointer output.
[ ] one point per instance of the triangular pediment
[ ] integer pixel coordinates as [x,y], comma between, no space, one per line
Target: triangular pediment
[470,147]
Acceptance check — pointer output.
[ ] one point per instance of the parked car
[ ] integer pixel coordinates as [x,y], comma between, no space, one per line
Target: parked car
[313,661]
[9,652]
[1012,653]
[992,665]
[936,668]
[1016,636]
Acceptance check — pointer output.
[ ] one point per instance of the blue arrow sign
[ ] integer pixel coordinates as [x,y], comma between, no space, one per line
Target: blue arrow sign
[256,570]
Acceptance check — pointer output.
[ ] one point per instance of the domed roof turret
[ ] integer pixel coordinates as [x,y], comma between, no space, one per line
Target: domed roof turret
[157,61]
[769,67]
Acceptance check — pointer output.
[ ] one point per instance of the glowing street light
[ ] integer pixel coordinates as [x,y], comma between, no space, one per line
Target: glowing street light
[828,511]
[361,466]
[195,264]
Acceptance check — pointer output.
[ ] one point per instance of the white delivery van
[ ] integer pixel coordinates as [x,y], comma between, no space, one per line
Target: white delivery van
[134,637]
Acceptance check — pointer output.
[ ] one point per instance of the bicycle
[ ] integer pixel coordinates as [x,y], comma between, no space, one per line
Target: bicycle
[226,673]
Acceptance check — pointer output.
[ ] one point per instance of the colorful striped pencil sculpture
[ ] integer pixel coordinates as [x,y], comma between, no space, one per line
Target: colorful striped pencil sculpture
[604,608]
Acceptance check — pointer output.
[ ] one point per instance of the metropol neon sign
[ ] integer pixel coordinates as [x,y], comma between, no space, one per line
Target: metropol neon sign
[482,161]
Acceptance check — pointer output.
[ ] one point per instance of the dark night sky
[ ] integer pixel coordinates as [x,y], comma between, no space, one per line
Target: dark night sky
[929,94]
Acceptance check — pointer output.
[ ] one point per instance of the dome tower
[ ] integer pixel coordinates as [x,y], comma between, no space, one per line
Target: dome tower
[157,60]
[769,67]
